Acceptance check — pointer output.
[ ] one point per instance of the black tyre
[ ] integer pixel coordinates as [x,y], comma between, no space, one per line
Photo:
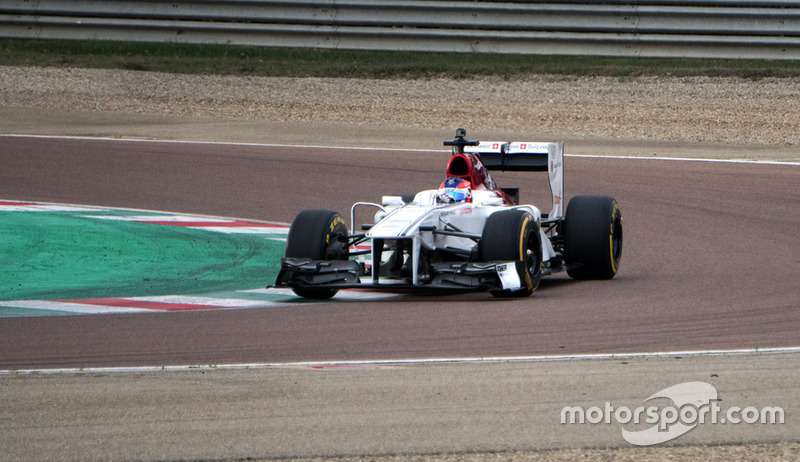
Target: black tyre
[318,235]
[592,237]
[513,235]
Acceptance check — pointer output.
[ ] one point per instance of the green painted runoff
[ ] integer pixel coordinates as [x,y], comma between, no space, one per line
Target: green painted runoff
[58,255]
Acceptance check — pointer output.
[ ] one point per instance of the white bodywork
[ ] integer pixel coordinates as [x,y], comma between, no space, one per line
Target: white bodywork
[404,221]
[429,241]
[397,220]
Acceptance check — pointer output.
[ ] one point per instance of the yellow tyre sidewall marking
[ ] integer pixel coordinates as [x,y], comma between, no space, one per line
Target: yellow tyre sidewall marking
[522,242]
[614,213]
[334,222]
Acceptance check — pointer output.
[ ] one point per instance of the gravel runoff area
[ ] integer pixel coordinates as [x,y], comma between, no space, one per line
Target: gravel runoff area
[763,113]
[722,111]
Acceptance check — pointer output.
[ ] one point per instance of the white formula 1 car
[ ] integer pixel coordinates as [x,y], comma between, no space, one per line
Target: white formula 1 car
[467,235]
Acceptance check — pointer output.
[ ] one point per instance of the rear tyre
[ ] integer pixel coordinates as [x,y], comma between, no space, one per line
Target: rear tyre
[513,235]
[318,235]
[592,237]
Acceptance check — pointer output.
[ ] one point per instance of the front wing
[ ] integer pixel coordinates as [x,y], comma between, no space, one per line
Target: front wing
[444,276]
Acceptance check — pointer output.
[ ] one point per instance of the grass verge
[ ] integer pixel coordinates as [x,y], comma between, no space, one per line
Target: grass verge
[292,62]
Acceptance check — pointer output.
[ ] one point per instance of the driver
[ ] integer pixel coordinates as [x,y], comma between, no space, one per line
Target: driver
[455,189]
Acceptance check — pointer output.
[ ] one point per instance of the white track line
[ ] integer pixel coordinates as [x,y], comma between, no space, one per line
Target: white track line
[70,307]
[217,143]
[44,207]
[157,214]
[400,362]
[224,143]
[163,218]
[689,159]
[203,301]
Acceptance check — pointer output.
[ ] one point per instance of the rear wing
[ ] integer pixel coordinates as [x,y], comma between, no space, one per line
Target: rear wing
[527,157]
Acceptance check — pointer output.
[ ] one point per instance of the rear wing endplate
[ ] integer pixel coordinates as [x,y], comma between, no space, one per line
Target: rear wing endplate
[527,157]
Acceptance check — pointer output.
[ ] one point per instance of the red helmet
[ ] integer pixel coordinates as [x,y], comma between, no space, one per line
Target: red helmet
[457,189]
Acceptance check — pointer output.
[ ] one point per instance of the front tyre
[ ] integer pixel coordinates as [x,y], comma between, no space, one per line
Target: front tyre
[592,237]
[318,235]
[513,235]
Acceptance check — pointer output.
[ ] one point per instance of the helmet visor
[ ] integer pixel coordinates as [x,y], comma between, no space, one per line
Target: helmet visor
[458,194]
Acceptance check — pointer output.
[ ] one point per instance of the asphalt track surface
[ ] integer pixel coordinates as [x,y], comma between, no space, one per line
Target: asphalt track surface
[710,258]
